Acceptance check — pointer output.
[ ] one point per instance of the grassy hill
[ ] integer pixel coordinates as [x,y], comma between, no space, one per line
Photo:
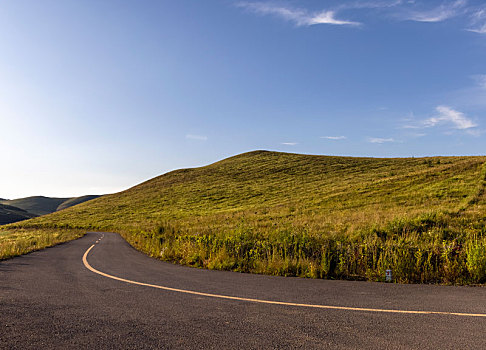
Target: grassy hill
[75,201]
[40,205]
[9,214]
[315,216]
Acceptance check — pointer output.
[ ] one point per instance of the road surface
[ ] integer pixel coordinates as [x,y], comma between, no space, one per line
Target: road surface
[101,293]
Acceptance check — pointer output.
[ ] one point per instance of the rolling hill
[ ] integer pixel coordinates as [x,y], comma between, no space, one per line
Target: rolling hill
[306,215]
[9,214]
[75,201]
[40,205]
[26,208]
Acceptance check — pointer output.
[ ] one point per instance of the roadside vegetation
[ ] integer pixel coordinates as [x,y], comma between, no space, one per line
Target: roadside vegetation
[14,242]
[302,215]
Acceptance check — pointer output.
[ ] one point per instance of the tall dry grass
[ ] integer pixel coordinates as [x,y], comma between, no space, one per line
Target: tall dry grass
[14,242]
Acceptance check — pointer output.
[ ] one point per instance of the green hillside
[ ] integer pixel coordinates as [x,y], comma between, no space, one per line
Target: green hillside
[75,201]
[9,214]
[40,205]
[316,216]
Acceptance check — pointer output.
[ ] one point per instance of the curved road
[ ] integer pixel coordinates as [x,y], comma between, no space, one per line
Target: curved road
[118,298]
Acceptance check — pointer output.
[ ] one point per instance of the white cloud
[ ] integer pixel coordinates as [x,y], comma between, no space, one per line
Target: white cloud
[480,80]
[480,29]
[475,16]
[478,21]
[333,137]
[300,17]
[196,137]
[475,132]
[290,143]
[445,116]
[438,14]
[380,140]
[410,126]
[473,96]
[450,116]
[370,5]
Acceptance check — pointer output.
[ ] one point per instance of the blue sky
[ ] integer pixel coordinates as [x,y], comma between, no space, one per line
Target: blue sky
[97,96]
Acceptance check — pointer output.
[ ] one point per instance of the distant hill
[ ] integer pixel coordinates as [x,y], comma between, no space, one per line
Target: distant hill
[76,200]
[29,207]
[38,205]
[9,214]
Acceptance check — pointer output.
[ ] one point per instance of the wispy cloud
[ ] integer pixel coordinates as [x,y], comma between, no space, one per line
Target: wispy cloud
[380,140]
[370,5]
[480,80]
[333,137]
[480,30]
[300,17]
[196,137]
[412,126]
[438,14]
[474,16]
[447,115]
[478,21]
[472,96]
[418,134]
[290,143]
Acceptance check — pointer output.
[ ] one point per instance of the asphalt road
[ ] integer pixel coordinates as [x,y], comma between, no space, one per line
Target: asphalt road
[50,299]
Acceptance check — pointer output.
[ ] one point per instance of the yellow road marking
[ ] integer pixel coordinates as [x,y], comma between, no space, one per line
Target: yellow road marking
[262,301]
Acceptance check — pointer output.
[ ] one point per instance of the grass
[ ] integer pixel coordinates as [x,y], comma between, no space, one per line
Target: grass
[302,215]
[14,242]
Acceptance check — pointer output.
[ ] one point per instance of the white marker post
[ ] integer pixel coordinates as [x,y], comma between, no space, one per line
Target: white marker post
[388,275]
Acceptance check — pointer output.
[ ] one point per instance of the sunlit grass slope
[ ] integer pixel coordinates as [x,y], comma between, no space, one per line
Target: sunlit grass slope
[14,242]
[326,195]
[316,216]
